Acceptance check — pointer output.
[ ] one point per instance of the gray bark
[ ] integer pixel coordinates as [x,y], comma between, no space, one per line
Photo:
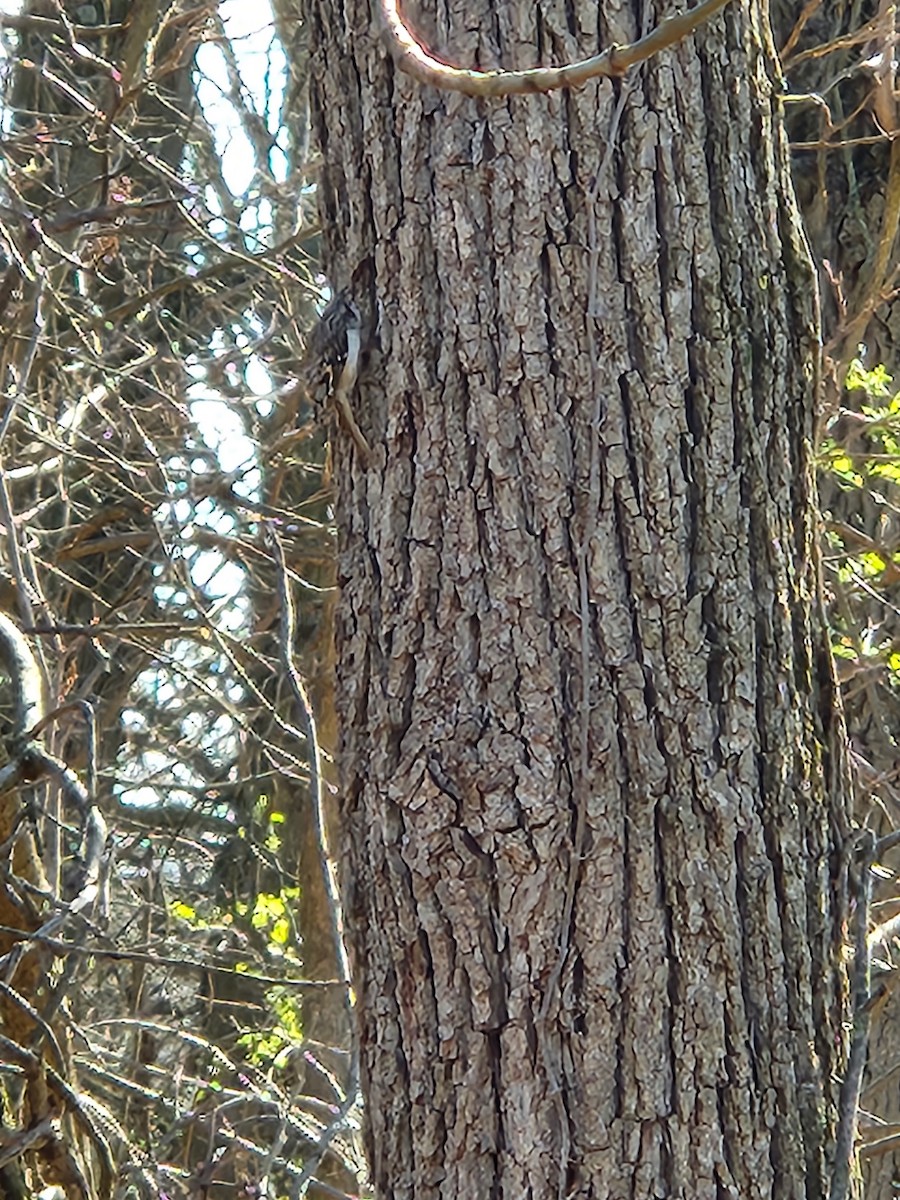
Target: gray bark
[594,790]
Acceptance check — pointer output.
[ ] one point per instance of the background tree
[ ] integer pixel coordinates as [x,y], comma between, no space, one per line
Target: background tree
[839,63]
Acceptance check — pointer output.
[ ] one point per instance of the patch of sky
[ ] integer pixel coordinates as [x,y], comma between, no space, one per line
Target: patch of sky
[251,82]
[258,88]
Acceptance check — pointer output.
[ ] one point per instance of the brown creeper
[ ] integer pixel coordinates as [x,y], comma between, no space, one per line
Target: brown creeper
[331,365]
[326,349]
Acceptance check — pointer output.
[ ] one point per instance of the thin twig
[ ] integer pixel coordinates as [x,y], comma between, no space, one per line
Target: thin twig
[845,1142]
[308,722]
[62,949]
[37,329]
[592,508]
[808,9]
[308,719]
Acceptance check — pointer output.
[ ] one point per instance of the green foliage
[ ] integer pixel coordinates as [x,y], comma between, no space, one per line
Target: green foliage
[859,464]
[876,382]
[270,913]
[272,1049]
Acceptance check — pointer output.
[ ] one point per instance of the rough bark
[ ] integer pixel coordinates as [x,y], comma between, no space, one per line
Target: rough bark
[594,789]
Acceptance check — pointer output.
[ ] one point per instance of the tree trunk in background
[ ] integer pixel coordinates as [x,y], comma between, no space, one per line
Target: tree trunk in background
[843,171]
[845,175]
[77,576]
[594,787]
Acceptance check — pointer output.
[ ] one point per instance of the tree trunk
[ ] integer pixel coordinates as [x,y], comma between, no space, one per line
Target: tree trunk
[846,171]
[594,785]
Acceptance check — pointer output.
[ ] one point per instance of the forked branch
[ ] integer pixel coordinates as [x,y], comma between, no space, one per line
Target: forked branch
[415,60]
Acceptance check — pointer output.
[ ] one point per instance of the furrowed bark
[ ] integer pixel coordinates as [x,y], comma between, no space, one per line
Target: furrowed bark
[594,787]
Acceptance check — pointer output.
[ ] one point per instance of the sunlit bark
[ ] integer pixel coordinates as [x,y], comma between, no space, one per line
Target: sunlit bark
[593,780]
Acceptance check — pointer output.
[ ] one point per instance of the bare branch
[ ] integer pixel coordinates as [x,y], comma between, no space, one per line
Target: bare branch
[851,1086]
[25,678]
[415,60]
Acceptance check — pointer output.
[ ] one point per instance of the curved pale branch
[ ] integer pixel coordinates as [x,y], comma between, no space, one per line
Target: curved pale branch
[20,664]
[415,60]
[29,761]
